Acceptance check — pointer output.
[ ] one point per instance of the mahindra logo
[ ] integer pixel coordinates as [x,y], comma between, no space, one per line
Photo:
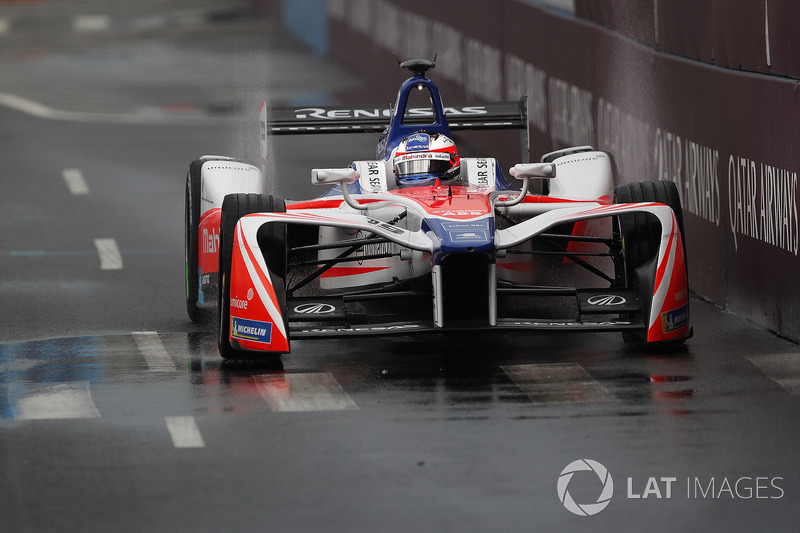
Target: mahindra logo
[606,299]
[314,309]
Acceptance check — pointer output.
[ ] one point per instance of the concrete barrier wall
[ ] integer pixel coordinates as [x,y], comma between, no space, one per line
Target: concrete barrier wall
[752,35]
[641,80]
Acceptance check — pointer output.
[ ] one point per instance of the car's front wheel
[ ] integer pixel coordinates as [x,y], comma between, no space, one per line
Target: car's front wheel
[272,238]
[641,237]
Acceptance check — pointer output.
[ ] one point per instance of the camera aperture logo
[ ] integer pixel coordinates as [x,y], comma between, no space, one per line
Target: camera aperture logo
[585,509]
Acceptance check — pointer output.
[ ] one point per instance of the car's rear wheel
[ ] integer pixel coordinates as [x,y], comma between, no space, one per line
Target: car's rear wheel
[191,243]
[271,239]
[641,238]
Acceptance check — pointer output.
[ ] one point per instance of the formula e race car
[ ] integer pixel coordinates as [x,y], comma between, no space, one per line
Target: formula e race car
[421,240]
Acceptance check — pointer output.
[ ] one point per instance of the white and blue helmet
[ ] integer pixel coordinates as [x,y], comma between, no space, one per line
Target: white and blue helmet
[423,157]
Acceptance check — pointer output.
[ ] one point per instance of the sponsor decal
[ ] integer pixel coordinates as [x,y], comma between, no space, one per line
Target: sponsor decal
[482,173]
[321,113]
[210,241]
[238,304]
[374,176]
[449,111]
[583,159]
[251,330]
[443,156]
[250,293]
[606,299]
[385,226]
[675,319]
[460,226]
[469,236]
[338,114]
[467,231]
[418,141]
[314,309]
[606,493]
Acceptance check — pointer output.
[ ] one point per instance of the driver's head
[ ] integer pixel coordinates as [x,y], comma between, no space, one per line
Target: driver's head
[421,158]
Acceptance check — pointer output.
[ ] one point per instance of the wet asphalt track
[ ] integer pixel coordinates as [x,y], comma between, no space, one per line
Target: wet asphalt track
[116,413]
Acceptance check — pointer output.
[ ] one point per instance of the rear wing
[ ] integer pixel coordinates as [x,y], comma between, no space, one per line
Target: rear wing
[343,119]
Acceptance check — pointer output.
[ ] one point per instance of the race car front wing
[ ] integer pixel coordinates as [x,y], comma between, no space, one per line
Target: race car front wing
[660,311]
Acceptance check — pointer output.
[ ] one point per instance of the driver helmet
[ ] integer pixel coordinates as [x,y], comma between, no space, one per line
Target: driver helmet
[423,157]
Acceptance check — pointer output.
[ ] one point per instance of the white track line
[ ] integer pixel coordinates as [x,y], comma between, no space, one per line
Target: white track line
[303,392]
[26,105]
[782,368]
[655,19]
[75,181]
[153,351]
[90,23]
[54,401]
[184,432]
[766,32]
[557,383]
[110,258]
[39,110]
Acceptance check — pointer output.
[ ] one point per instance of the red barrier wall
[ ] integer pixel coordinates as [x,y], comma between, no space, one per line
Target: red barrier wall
[643,80]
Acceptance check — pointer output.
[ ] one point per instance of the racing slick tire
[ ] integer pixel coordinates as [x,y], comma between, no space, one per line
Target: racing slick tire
[191,243]
[641,236]
[272,237]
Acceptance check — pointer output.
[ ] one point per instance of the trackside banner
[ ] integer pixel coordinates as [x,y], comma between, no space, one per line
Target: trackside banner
[728,139]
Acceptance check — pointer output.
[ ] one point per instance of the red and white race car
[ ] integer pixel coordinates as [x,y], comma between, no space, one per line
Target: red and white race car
[421,240]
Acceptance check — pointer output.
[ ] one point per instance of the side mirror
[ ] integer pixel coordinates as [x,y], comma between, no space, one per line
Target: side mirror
[533,170]
[525,172]
[333,176]
[338,176]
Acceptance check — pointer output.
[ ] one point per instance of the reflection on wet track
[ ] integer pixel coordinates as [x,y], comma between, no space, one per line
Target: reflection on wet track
[430,418]
[59,378]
